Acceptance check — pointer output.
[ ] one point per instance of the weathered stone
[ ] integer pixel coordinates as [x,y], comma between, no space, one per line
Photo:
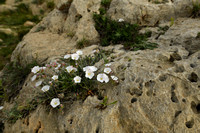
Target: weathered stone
[149,13]
[184,32]
[158,90]
[29,23]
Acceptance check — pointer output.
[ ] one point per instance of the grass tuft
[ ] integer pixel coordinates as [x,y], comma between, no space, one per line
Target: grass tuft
[13,79]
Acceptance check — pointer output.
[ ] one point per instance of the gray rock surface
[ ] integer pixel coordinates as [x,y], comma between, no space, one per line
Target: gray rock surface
[158,90]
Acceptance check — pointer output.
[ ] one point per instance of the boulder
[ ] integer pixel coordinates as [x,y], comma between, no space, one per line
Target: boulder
[149,13]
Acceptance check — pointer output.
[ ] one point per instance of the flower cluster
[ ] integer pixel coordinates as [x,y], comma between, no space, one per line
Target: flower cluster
[72,73]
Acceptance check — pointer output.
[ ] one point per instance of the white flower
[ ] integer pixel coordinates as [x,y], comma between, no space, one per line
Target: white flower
[1,107]
[121,20]
[108,64]
[79,52]
[94,51]
[43,68]
[38,83]
[77,79]
[90,68]
[55,102]
[67,56]
[107,70]
[55,77]
[114,78]
[35,69]
[45,88]
[33,78]
[59,65]
[75,56]
[89,74]
[102,78]
[69,69]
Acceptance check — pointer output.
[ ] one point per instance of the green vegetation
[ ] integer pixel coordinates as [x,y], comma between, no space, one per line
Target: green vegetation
[18,17]
[196,9]
[198,35]
[38,2]
[105,103]
[13,79]
[1,92]
[172,22]
[113,32]
[82,43]
[18,112]
[50,5]
[2,1]
[14,20]
[64,88]
[158,1]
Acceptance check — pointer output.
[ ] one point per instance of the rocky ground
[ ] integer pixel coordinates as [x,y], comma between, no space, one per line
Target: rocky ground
[17,18]
[158,90]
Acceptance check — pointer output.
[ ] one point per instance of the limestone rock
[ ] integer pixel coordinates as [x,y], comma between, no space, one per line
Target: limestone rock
[6,30]
[184,32]
[5,8]
[54,29]
[156,94]
[158,90]
[147,12]
[29,23]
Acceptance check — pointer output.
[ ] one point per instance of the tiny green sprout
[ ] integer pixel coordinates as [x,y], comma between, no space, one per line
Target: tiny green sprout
[83,43]
[71,34]
[172,21]
[105,103]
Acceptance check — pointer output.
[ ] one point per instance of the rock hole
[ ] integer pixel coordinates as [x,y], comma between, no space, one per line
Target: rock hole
[100,97]
[193,77]
[163,78]
[198,57]
[38,127]
[173,94]
[189,124]
[193,65]
[195,107]
[133,100]
[88,10]
[174,57]
[198,108]
[179,69]
[70,121]
[183,100]
[150,84]
[97,130]
[150,93]
[177,113]
[173,87]
[78,17]
[66,131]
[136,92]
[174,98]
